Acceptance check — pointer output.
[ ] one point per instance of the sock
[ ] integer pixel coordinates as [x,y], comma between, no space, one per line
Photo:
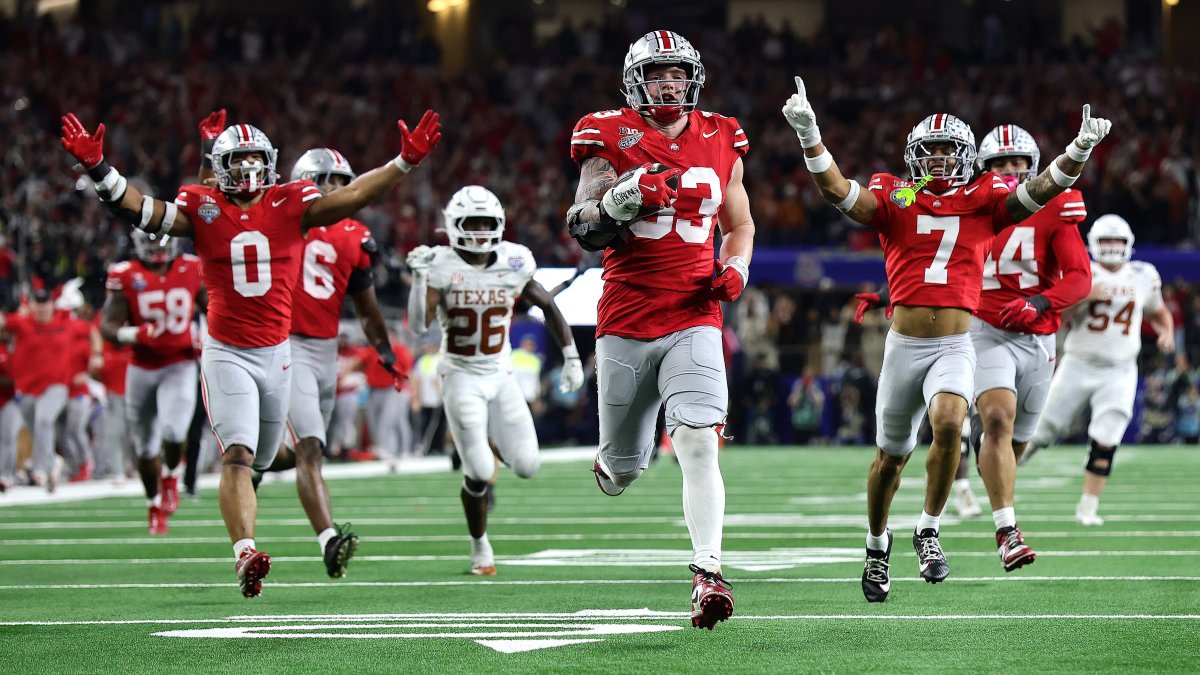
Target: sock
[481,547]
[879,543]
[703,493]
[962,484]
[1005,517]
[241,545]
[928,522]
[156,500]
[323,538]
[1089,502]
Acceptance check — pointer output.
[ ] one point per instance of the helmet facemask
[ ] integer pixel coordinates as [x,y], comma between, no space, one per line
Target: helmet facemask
[949,169]
[474,220]
[152,249]
[656,50]
[237,171]
[325,167]
[1009,140]
[1110,240]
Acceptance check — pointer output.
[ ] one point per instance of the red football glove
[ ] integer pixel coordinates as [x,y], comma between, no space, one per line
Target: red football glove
[387,359]
[420,141]
[656,189]
[213,125]
[1019,315]
[869,301]
[728,281]
[85,147]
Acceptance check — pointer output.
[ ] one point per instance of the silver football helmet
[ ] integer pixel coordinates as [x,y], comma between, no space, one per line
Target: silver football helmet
[1009,140]
[154,250]
[321,164]
[941,128]
[474,201]
[662,48]
[1107,227]
[236,175]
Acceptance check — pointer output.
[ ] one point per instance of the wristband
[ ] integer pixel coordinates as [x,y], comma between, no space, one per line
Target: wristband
[820,163]
[570,352]
[99,172]
[399,163]
[738,263]
[1026,200]
[1061,178]
[127,335]
[851,197]
[1077,153]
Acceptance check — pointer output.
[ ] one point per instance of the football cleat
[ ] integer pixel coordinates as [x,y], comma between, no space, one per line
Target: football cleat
[55,476]
[339,551]
[1014,552]
[966,504]
[483,569]
[252,567]
[158,520]
[876,578]
[1088,517]
[712,598]
[83,474]
[933,565]
[170,494]
[604,482]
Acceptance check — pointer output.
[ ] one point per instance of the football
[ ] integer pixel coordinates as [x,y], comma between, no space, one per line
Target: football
[672,182]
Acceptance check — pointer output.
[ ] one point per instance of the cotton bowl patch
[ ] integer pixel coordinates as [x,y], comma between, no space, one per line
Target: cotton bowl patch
[904,197]
[209,212]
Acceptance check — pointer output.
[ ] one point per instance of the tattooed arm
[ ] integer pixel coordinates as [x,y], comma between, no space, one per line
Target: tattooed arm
[596,175]
[1062,172]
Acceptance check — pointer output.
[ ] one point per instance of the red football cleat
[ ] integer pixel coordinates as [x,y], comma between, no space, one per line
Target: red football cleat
[83,474]
[712,598]
[170,494]
[252,567]
[1013,550]
[158,520]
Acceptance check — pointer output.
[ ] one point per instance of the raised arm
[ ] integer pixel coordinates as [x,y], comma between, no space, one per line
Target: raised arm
[118,196]
[373,184]
[846,196]
[1062,173]
[210,127]
[572,371]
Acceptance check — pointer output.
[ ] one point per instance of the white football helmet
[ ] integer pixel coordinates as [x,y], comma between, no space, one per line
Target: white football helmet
[662,48]
[1110,226]
[319,165]
[154,250]
[474,201]
[941,128]
[1009,140]
[239,176]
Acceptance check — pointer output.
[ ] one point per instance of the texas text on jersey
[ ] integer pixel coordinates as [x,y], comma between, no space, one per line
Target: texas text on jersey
[476,306]
[671,253]
[251,259]
[1032,257]
[164,300]
[1108,329]
[934,245]
[331,255]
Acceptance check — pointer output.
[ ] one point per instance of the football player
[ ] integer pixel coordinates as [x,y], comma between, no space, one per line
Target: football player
[249,235]
[1099,368]
[150,303]
[659,318]
[934,229]
[472,285]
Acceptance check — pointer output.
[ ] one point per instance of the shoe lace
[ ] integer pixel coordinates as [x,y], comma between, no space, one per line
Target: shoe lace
[1013,539]
[713,578]
[931,548]
[877,570]
[343,529]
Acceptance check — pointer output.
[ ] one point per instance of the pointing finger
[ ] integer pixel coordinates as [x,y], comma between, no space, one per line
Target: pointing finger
[800,87]
[1087,112]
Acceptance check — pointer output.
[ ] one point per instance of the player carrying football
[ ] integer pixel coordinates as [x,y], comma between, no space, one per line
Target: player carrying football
[1099,368]
[472,285]
[659,318]
[150,304]
[935,230]
[249,235]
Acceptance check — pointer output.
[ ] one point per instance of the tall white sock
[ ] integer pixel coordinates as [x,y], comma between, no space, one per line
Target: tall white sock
[156,500]
[1089,502]
[879,543]
[928,522]
[323,538]
[241,545]
[703,493]
[1005,517]
[481,548]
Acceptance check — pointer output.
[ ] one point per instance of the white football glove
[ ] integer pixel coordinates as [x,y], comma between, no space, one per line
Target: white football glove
[800,115]
[623,200]
[571,378]
[1092,130]
[420,258]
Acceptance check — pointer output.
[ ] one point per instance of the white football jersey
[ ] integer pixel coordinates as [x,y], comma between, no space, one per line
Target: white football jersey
[1109,329]
[476,307]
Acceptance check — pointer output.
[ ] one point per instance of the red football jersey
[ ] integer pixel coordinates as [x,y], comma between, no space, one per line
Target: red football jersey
[331,253]
[934,247]
[116,363]
[41,354]
[377,376]
[657,282]
[251,259]
[165,300]
[81,352]
[1041,255]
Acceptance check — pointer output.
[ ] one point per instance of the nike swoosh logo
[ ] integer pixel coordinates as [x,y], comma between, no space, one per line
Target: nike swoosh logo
[287,366]
[970,189]
[710,134]
[279,202]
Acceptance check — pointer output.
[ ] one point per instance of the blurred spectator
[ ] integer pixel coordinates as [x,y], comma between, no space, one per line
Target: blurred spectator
[807,403]
[1187,415]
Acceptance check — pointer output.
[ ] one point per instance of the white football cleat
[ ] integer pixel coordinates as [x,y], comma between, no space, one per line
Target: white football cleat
[966,504]
[1087,517]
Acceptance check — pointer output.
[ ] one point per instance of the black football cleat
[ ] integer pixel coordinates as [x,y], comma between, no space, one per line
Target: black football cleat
[339,551]
[934,567]
[876,578]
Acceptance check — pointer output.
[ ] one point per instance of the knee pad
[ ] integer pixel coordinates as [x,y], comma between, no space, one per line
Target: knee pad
[693,415]
[1100,459]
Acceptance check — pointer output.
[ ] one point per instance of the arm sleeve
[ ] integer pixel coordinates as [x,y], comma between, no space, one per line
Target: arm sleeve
[592,137]
[306,194]
[998,194]
[741,144]
[881,186]
[114,281]
[1076,267]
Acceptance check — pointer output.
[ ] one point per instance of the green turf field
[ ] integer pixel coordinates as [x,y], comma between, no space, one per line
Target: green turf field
[589,583]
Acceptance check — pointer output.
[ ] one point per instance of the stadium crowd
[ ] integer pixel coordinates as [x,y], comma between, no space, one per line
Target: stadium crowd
[803,370]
